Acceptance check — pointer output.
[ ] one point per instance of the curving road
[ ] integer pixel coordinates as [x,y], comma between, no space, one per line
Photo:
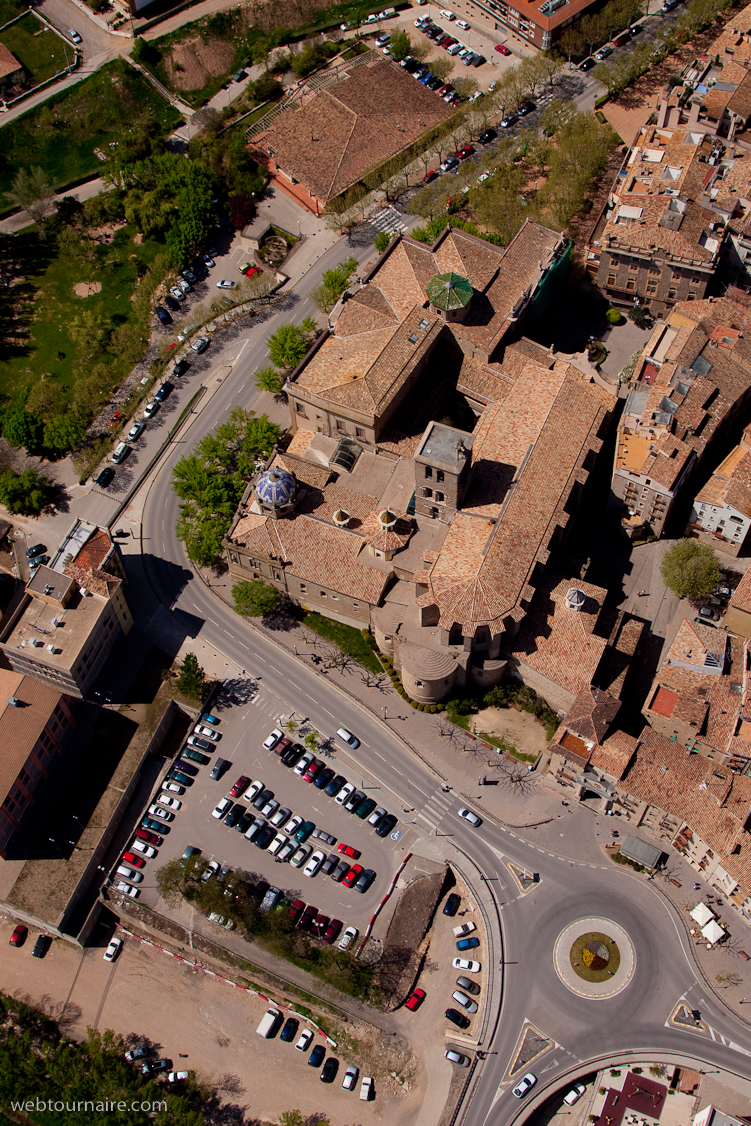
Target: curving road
[581,1030]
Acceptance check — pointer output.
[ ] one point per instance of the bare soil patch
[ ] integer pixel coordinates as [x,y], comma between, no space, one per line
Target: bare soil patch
[402,950]
[87,288]
[191,64]
[521,729]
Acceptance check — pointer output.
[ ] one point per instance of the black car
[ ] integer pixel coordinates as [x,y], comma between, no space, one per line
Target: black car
[335,785]
[456,1018]
[385,825]
[221,766]
[37,549]
[290,1030]
[245,822]
[588,64]
[233,816]
[411,66]
[478,60]
[330,1068]
[41,946]
[164,392]
[323,778]
[316,1056]
[364,880]
[488,136]
[451,906]
[330,864]
[147,1067]
[525,108]
[180,368]
[105,477]
[365,808]
[178,776]
[265,837]
[186,767]
[293,754]
[163,315]
[170,302]
[263,797]
[434,83]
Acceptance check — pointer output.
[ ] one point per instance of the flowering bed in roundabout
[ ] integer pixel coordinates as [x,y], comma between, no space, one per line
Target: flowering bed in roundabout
[595,957]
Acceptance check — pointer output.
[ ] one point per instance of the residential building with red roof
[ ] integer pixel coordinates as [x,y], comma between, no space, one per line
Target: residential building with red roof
[721,514]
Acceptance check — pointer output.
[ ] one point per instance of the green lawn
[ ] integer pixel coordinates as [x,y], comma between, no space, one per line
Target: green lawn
[9,9]
[51,304]
[348,639]
[41,54]
[61,134]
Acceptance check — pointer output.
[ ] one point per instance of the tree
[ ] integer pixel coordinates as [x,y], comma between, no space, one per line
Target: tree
[442,67]
[143,52]
[63,433]
[21,428]
[191,680]
[333,285]
[267,378]
[32,192]
[381,241]
[400,46]
[27,493]
[466,86]
[240,210]
[290,342]
[255,599]
[690,569]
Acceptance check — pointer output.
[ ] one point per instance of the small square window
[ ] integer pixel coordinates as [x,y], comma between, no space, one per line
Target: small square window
[359,432]
[428,473]
[323,594]
[300,408]
[439,476]
[303,588]
[339,424]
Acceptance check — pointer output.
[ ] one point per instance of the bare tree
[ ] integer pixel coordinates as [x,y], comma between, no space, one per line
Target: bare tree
[517,779]
[370,679]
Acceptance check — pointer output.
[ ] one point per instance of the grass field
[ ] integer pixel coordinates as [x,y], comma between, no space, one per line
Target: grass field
[9,9]
[42,54]
[61,134]
[348,639]
[52,304]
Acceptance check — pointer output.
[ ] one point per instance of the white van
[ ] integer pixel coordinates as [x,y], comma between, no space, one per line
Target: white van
[269,1023]
[120,452]
[129,874]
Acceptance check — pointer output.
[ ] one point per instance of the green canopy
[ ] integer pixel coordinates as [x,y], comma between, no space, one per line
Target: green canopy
[449,292]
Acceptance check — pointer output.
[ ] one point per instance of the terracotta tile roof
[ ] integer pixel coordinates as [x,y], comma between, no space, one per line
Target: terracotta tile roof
[306,472]
[740,102]
[300,443]
[730,484]
[323,503]
[665,461]
[591,714]
[8,62]
[741,598]
[95,550]
[329,140]
[387,539]
[614,755]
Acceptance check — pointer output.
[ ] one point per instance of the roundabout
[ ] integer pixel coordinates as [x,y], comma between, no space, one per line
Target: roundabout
[594,958]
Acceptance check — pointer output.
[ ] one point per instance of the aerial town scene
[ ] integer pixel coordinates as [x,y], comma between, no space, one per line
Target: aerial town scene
[375,563]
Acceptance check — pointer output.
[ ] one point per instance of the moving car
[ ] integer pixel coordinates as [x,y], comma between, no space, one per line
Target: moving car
[74,35]
[347,737]
[415,999]
[525,1084]
[469,816]
[221,766]
[113,949]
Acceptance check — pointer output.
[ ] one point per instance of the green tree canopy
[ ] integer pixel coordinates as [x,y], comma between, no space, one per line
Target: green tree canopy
[191,679]
[27,493]
[290,342]
[333,285]
[400,45]
[690,569]
[267,378]
[255,599]
[381,241]
[32,192]
[22,428]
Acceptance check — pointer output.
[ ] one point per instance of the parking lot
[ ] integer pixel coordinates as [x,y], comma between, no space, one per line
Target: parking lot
[243,729]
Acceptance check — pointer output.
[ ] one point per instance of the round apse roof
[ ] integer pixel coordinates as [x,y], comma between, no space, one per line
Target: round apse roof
[449,291]
[277,487]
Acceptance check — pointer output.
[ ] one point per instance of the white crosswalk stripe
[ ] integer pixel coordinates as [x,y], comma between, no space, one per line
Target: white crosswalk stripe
[435,809]
[387,220]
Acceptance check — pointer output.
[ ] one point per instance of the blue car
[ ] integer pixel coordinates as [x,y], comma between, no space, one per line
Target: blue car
[207,717]
[290,1030]
[163,315]
[426,78]
[467,943]
[154,826]
[316,1056]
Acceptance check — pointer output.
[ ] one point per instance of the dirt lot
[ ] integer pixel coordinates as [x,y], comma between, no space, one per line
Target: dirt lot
[191,64]
[520,729]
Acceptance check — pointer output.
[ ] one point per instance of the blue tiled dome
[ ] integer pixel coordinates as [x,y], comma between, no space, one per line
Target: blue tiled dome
[276,487]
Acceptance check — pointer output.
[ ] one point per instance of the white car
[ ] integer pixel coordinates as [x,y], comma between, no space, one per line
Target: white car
[207,732]
[366,1088]
[574,1094]
[177,293]
[305,1037]
[300,856]
[114,948]
[280,817]
[143,848]
[315,862]
[74,35]
[173,788]
[293,825]
[253,791]
[177,1076]
[208,260]
[463,25]
[213,868]
[271,740]
[346,790]
[277,843]
[376,815]
[225,284]
[350,1078]
[492,87]
[485,176]
[477,94]
[126,889]
[468,815]
[221,808]
[466,964]
[151,408]
[162,813]
[136,431]
[171,803]
[457,1058]
[220,921]
[348,938]
[465,1001]
[447,14]
[348,738]
[304,763]
[524,1085]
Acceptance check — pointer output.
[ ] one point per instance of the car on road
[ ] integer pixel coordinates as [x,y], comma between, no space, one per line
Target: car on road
[468,943]
[355,871]
[225,283]
[41,946]
[221,808]
[385,825]
[179,369]
[350,1078]
[74,35]
[114,947]
[526,108]
[315,862]
[456,1057]
[449,163]
[348,850]
[467,965]
[105,477]
[487,136]
[457,1018]
[603,53]
[525,1084]
[240,786]
[136,431]
[468,815]
[305,1038]
[289,1031]
[451,906]
[465,1001]
[415,999]
[464,152]
[574,1094]
[300,856]
[201,344]
[19,935]
[349,936]
[365,880]
[151,408]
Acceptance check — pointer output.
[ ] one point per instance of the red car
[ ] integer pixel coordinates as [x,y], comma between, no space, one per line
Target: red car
[429,177]
[448,43]
[251,270]
[240,786]
[332,931]
[19,936]
[295,908]
[131,858]
[348,850]
[315,768]
[501,49]
[145,835]
[354,872]
[307,917]
[464,152]
[415,999]
[318,926]
[444,89]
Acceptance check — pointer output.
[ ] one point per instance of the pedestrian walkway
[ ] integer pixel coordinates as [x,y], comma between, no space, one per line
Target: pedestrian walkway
[388,220]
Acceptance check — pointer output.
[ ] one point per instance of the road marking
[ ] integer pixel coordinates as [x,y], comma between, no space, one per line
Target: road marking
[260,658]
[398,772]
[274,668]
[229,634]
[297,686]
[328,712]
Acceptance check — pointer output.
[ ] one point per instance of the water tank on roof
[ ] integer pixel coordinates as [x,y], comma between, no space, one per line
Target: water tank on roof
[575,599]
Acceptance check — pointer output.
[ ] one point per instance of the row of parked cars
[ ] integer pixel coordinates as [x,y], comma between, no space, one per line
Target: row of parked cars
[155,824]
[271,1022]
[449,42]
[184,285]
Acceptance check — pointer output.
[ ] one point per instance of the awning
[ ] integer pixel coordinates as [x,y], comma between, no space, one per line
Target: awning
[701,914]
[713,932]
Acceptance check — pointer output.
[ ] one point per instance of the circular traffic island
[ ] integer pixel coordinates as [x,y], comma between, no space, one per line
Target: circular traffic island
[594,958]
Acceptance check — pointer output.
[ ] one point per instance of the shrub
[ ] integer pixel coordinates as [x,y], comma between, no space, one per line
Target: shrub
[465,707]
[614,316]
